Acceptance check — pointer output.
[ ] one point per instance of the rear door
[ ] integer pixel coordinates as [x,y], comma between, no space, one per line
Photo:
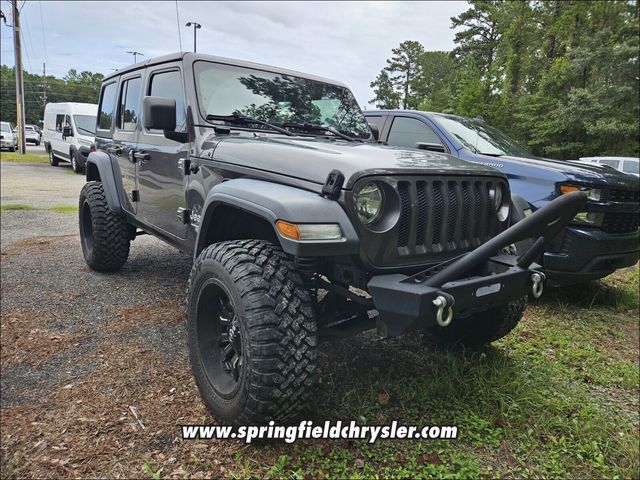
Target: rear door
[161,181]
[125,136]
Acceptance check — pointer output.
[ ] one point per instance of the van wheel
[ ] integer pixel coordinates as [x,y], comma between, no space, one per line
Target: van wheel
[105,236]
[53,161]
[75,165]
[252,333]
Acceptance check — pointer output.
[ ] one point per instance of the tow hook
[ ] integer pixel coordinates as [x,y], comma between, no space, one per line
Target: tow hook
[538,284]
[441,304]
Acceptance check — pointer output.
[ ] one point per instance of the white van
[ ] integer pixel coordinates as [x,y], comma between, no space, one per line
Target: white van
[68,132]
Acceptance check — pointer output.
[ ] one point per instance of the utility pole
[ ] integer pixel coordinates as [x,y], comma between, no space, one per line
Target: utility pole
[196,26]
[44,83]
[19,82]
[135,55]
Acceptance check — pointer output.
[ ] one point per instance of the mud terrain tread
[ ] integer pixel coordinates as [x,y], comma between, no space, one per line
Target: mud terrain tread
[111,236]
[280,320]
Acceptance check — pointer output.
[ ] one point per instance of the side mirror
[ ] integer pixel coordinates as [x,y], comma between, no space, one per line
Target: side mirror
[374,130]
[159,113]
[432,147]
[67,131]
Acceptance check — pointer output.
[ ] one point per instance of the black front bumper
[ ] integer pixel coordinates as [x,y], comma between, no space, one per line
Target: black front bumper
[478,281]
[584,253]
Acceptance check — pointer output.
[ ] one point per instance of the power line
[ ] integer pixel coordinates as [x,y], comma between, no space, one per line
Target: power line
[44,42]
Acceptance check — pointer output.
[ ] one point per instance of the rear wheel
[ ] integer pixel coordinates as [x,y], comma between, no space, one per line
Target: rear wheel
[105,235]
[252,332]
[53,160]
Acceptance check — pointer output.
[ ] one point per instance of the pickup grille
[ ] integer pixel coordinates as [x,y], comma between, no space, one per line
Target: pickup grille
[620,222]
[624,195]
[438,215]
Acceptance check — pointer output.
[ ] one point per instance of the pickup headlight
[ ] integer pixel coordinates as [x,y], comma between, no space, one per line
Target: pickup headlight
[594,194]
[369,202]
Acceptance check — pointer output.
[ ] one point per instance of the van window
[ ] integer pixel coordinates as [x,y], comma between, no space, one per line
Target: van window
[612,163]
[169,85]
[129,105]
[59,122]
[407,132]
[107,106]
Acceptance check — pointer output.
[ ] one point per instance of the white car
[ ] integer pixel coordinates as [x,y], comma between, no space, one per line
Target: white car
[68,132]
[630,165]
[8,138]
[32,134]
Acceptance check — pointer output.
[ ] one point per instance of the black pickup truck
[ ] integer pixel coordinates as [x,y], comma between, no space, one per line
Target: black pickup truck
[300,225]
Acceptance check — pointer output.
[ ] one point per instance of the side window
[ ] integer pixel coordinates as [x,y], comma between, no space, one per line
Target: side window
[67,121]
[406,132]
[107,107]
[169,85]
[128,112]
[612,163]
[59,122]
[631,167]
[377,121]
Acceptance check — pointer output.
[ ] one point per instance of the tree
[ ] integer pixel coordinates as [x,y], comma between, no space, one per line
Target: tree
[385,95]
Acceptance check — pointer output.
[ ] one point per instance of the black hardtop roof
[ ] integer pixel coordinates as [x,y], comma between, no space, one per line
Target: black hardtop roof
[192,57]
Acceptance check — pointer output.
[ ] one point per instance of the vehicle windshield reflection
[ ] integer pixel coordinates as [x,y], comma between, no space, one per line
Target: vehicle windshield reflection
[481,138]
[279,99]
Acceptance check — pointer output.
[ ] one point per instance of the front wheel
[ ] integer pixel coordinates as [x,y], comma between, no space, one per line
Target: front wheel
[53,161]
[75,164]
[251,331]
[480,328]
[105,235]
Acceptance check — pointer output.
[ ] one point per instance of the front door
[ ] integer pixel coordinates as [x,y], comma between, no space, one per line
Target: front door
[161,181]
[125,138]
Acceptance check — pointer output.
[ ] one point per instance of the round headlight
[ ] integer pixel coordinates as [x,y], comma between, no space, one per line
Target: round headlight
[369,203]
[500,202]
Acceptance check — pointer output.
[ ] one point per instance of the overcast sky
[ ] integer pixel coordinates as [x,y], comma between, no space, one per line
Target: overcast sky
[340,40]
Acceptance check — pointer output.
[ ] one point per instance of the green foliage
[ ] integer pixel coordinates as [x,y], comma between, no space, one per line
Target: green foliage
[13,157]
[559,76]
[81,87]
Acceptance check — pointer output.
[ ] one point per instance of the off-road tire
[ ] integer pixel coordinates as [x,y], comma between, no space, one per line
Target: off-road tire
[277,328]
[53,160]
[104,235]
[480,328]
[75,164]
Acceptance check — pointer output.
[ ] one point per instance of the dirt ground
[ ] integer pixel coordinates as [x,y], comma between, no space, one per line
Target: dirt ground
[95,378]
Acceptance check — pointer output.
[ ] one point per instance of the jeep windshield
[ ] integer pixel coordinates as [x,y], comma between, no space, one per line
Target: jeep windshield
[480,138]
[279,99]
[86,124]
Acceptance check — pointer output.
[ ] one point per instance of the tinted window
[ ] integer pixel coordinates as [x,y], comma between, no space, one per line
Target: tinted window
[169,85]
[611,163]
[406,132]
[631,167]
[107,107]
[129,104]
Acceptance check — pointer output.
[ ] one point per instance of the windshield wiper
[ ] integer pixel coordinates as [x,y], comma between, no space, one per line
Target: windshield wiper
[248,121]
[311,127]
[85,130]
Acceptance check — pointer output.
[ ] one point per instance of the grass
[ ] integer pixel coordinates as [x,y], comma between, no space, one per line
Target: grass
[21,206]
[14,206]
[558,397]
[26,158]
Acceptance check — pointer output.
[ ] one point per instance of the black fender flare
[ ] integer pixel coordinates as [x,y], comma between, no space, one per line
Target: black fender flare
[98,168]
[272,202]
[518,207]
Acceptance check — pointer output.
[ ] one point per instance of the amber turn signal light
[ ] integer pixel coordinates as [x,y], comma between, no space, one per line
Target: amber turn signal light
[288,230]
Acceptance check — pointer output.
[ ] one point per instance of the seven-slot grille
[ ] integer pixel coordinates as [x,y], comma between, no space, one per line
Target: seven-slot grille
[438,215]
[622,222]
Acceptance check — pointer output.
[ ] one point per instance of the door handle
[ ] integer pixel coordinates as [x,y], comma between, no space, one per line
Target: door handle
[115,150]
[142,156]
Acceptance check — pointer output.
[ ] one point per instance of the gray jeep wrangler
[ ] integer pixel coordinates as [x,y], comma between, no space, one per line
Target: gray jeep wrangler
[301,226]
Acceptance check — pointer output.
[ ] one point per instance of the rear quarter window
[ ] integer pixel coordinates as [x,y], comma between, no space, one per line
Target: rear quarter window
[107,106]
